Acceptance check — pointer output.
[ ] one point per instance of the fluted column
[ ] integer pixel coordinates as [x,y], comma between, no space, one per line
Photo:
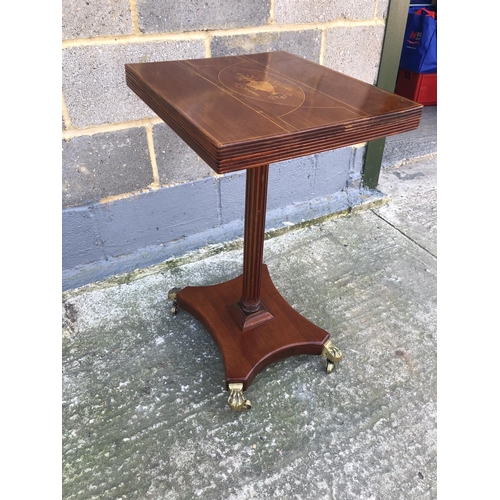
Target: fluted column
[253,251]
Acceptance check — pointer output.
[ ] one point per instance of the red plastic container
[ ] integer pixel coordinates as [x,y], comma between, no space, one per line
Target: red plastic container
[419,87]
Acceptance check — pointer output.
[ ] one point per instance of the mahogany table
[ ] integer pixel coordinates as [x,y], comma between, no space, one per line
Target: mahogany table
[245,112]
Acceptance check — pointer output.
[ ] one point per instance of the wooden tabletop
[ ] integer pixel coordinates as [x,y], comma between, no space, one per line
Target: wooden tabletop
[244,111]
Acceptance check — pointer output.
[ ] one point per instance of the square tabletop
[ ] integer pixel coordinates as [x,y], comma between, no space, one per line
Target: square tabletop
[245,111]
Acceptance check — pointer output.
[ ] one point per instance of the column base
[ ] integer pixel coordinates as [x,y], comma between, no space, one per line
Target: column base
[246,321]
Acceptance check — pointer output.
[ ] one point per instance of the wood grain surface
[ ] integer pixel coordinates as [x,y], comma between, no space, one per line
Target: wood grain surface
[244,111]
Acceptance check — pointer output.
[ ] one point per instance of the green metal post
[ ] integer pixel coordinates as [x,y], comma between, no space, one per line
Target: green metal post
[388,71]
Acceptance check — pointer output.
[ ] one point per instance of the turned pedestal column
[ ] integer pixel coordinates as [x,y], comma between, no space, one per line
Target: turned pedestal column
[250,311]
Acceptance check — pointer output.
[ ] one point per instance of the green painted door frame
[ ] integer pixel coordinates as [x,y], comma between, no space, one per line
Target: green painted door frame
[387,74]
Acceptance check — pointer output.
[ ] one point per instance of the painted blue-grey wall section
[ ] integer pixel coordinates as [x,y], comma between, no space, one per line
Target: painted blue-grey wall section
[102,239]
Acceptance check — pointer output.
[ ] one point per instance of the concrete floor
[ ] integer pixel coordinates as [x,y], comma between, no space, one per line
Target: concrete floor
[144,402]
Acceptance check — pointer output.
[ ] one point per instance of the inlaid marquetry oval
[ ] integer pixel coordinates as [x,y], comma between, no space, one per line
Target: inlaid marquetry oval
[261,85]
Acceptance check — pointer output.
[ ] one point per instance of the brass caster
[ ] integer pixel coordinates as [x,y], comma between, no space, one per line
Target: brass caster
[332,354]
[236,400]
[172,295]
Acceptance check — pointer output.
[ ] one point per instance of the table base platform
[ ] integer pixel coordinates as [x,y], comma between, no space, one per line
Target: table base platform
[248,347]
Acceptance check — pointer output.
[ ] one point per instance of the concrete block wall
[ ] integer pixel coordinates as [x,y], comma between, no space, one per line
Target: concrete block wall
[133,193]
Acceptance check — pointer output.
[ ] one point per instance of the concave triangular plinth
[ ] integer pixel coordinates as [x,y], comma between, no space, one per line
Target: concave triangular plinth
[247,352]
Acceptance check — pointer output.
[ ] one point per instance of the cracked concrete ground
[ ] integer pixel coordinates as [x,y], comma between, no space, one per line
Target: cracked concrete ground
[144,401]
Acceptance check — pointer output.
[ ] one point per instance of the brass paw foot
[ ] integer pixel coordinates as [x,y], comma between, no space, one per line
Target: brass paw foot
[332,354]
[236,400]
[172,295]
